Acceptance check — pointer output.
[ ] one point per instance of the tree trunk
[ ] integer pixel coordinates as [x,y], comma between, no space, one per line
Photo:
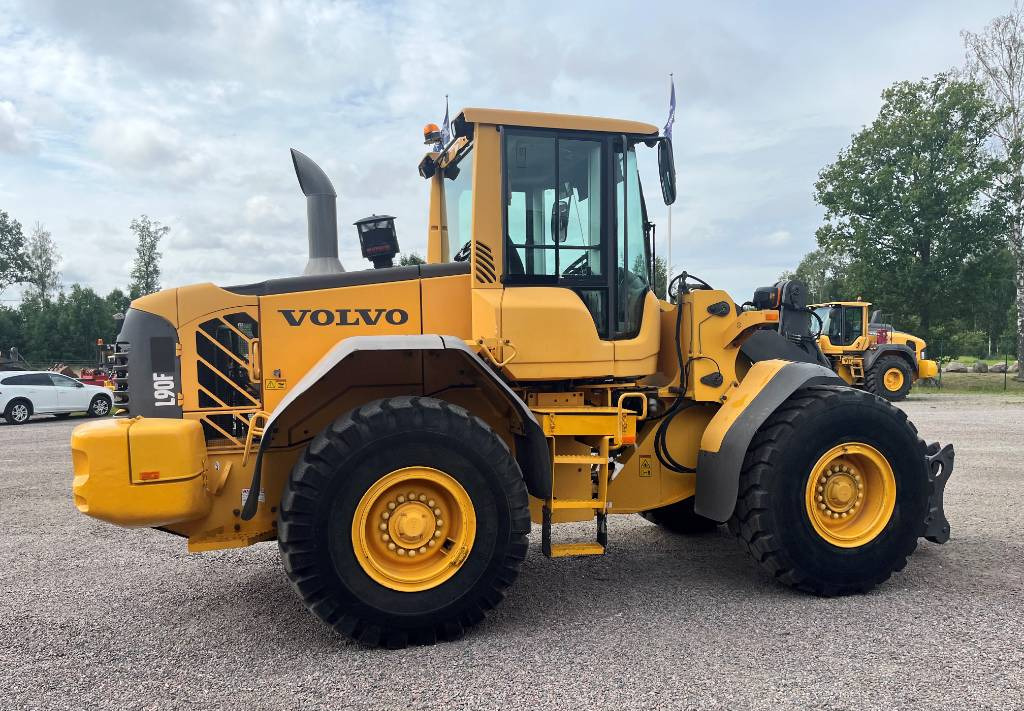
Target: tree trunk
[1020,313]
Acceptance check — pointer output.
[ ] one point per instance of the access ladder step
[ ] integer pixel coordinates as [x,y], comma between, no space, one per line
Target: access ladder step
[577,504]
[578,459]
[565,550]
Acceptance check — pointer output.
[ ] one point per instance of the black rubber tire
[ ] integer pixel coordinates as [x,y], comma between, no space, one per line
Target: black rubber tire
[680,518]
[97,404]
[771,519]
[874,381]
[9,412]
[340,465]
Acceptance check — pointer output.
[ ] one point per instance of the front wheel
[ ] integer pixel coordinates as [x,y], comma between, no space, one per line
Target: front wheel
[99,407]
[889,377]
[834,492]
[404,522]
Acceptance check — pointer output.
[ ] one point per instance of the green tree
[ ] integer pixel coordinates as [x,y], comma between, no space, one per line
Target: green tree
[905,202]
[145,275]
[995,57]
[660,277]
[41,273]
[13,262]
[824,274]
[411,259]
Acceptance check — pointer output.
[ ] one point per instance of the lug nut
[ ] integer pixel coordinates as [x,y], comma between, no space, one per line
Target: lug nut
[437,512]
[437,534]
[391,505]
[412,554]
[401,551]
[391,546]
[430,543]
[383,527]
[423,549]
[423,497]
[430,503]
[440,523]
[385,537]
[412,496]
[401,499]
[386,515]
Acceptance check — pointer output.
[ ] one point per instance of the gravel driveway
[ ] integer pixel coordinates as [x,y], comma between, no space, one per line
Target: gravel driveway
[92,616]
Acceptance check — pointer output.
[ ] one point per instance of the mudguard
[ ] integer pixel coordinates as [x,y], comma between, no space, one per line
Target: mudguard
[727,437]
[898,349]
[531,446]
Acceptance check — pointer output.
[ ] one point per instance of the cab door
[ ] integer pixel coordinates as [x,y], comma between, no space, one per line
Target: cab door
[575,283]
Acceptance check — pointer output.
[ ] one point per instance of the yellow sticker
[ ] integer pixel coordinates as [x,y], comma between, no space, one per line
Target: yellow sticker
[274,384]
[645,465]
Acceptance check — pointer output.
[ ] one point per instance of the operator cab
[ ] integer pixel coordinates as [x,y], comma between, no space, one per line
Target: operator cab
[844,323]
[550,209]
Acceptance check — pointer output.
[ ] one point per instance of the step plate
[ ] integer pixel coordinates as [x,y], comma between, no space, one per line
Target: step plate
[566,550]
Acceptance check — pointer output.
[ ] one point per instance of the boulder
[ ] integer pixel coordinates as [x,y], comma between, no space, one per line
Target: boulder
[998,368]
[1014,367]
[979,366]
[954,366]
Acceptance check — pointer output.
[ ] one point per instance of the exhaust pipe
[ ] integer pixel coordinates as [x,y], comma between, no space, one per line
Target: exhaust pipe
[321,216]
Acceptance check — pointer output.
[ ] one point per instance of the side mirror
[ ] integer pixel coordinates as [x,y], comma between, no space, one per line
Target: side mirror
[560,221]
[667,171]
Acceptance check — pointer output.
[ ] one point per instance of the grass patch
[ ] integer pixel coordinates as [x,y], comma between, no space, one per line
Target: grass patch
[972,383]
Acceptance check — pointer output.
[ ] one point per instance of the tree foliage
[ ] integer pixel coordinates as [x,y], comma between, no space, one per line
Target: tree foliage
[41,273]
[411,259]
[13,261]
[995,57]
[907,219]
[145,274]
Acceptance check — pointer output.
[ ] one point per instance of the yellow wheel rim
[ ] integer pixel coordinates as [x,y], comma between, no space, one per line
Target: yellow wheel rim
[893,379]
[413,529]
[851,494]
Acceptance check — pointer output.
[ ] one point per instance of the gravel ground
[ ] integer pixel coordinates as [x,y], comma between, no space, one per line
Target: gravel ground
[92,616]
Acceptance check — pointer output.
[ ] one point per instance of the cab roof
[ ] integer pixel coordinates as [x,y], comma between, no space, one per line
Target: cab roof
[532,119]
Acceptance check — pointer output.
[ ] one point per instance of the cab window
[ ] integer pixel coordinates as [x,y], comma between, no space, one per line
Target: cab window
[458,202]
[631,245]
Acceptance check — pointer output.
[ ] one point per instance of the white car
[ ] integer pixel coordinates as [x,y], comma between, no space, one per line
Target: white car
[24,393]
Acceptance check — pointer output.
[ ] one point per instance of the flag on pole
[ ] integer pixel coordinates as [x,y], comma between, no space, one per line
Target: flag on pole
[446,133]
[671,109]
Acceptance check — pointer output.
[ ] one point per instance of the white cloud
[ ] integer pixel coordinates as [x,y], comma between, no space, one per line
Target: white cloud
[14,130]
[185,111]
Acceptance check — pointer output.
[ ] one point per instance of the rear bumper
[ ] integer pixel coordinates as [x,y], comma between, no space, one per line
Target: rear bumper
[927,369]
[140,472]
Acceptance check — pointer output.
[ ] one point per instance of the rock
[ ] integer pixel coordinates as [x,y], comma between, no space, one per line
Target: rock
[954,366]
[1014,367]
[979,366]
[998,368]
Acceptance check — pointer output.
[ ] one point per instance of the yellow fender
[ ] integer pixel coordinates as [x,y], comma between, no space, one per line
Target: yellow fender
[727,437]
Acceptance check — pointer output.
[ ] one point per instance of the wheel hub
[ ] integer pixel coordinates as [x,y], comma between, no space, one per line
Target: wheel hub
[851,494]
[413,529]
[893,379]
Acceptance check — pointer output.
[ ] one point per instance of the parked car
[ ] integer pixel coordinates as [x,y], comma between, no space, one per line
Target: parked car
[26,393]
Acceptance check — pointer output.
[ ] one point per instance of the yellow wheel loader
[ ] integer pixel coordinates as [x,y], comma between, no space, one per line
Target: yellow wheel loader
[868,353]
[396,430]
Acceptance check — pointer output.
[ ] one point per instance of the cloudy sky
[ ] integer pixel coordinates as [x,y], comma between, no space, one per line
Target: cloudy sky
[185,111]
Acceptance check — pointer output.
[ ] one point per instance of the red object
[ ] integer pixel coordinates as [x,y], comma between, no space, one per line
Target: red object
[883,335]
[94,376]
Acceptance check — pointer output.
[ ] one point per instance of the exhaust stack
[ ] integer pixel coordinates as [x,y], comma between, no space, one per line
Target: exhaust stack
[321,216]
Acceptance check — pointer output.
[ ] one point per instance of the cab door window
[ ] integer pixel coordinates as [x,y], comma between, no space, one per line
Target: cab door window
[630,243]
[554,216]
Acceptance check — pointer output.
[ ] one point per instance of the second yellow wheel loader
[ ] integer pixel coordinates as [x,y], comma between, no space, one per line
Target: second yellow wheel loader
[870,354]
[396,430]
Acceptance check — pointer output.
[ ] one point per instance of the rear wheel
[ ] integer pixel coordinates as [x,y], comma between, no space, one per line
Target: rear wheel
[834,492]
[403,522]
[890,377]
[18,412]
[680,518]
